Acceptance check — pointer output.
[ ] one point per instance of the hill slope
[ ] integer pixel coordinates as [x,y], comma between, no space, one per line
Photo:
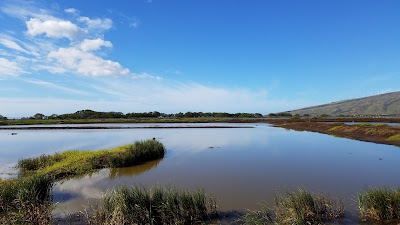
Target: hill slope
[383,104]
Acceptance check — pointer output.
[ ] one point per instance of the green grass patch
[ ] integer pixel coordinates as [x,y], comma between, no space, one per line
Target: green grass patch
[335,128]
[26,200]
[298,207]
[395,137]
[71,163]
[137,205]
[371,125]
[379,204]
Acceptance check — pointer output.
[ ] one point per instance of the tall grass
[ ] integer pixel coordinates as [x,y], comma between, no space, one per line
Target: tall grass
[139,152]
[71,163]
[298,207]
[302,207]
[137,205]
[26,201]
[379,204]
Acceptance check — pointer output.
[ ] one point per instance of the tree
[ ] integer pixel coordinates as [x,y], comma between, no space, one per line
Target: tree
[38,116]
[3,117]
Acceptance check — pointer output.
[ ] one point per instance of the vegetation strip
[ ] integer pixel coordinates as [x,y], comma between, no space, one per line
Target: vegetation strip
[376,133]
[111,127]
[71,163]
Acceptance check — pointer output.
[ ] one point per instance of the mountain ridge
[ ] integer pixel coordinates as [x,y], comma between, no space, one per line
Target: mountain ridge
[382,104]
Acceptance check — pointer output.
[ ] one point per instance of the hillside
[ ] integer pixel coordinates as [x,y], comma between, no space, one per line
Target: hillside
[384,104]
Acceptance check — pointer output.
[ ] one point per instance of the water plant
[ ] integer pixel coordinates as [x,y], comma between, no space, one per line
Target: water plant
[297,207]
[138,205]
[379,204]
[71,163]
[302,207]
[26,200]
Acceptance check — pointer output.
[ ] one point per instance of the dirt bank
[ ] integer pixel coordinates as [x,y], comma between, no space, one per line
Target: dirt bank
[377,133]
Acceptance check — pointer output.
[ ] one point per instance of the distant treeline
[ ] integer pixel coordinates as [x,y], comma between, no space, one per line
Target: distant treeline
[90,114]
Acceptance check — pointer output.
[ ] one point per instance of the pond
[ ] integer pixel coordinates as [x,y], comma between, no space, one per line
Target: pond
[241,167]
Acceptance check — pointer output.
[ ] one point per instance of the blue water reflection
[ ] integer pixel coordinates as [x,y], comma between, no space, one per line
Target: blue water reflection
[240,167]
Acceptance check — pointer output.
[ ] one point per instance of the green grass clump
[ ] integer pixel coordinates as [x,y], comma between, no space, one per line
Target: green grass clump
[139,152]
[137,205]
[71,163]
[26,200]
[335,128]
[297,207]
[395,137]
[379,204]
[302,207]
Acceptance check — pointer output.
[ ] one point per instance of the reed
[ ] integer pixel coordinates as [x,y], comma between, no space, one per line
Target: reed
[26,200]
[379,204]
[138,205]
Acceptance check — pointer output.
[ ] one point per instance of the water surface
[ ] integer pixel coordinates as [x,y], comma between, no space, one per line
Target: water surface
[240,167]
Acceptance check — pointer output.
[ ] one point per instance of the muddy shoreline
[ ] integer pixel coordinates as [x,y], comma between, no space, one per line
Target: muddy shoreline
[367,133]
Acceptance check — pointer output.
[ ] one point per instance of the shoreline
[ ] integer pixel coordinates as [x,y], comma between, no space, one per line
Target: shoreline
[118,128]
[375,133]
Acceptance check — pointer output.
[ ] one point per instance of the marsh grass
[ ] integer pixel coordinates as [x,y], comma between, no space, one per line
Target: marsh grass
[72,163]
[254,217]
[137,205]
[395,137]
[298,207]
[379,204]
[302,207]
[26,200]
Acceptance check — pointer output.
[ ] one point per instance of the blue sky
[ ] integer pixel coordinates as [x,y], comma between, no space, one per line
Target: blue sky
[176,55]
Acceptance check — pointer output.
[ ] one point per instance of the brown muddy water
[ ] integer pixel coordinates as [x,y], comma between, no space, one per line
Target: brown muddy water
[240,167]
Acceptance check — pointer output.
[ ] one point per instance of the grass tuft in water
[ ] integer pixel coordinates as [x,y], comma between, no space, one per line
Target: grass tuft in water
[139,152]
[71,163]
[137,205]
[302,207]
[379,204]
[298,207]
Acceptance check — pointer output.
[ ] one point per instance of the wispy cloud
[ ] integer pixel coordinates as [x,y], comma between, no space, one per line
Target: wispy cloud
[56,86]
[9,68]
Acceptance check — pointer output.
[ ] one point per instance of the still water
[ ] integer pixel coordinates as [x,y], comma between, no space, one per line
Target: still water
[241,167]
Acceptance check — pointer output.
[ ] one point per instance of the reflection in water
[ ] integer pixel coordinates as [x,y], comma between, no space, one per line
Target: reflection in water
[133,170]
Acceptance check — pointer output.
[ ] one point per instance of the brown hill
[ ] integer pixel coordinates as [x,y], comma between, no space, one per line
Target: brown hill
[383,104]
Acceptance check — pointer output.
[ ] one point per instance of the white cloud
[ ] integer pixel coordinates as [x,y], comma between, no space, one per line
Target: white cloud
[53,28]
[8,42]
[93,45]
[96,24]
[138,76]
[56,86]
[9,68]
[71,10]
[86,63]
[26,9]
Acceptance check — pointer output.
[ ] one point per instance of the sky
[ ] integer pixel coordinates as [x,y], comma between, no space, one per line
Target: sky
[201,55]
